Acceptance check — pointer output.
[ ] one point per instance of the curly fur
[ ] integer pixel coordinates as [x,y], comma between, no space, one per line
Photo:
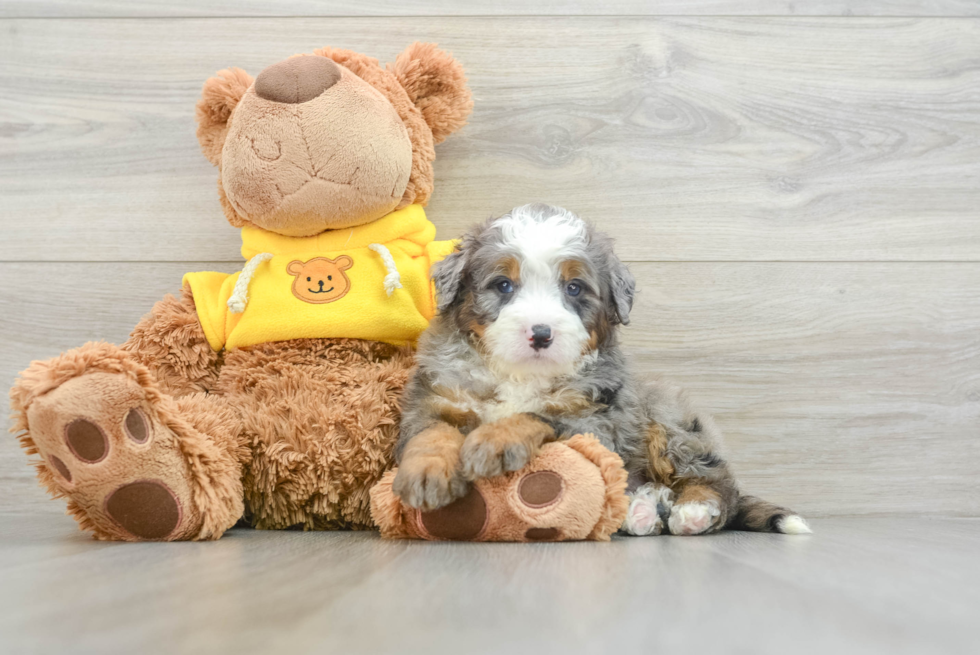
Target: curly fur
[320,418]
[169,341]
[436,84]
[481,359]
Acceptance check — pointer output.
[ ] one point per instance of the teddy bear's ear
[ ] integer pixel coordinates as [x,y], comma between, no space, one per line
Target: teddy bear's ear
[219,97]
[435,82]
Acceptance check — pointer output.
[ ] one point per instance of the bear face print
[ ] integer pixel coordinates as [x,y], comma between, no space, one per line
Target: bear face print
[320,280]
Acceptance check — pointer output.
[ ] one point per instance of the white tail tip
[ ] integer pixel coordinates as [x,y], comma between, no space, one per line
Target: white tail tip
[793,524]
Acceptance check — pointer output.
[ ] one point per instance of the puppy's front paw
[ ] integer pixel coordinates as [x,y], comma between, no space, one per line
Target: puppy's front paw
[489,451]
[428,482]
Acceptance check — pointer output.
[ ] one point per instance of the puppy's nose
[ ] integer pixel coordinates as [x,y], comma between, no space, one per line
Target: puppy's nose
[297,79]
[540,336]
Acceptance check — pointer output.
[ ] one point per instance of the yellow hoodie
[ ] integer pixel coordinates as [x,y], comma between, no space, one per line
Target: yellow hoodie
[368,282]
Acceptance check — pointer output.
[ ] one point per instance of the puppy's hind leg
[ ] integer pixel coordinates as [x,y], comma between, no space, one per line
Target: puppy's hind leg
[699,509]
[649,510]
[683,458]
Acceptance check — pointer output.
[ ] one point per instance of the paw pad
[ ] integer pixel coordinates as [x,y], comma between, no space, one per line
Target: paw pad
[542,534]
[540,489]
[461,520]
[60,467]
[145,509]
[136,427]
[87,441]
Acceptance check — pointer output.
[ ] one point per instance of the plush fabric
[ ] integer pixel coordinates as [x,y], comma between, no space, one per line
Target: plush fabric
[284,300]
[573,490]
[282,169]
[423,84]
[182,431]
[191,448]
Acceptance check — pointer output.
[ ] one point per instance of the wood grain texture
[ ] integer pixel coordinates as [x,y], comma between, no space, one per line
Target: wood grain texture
[380,8]
[842,388]
[710,139]
[870,586]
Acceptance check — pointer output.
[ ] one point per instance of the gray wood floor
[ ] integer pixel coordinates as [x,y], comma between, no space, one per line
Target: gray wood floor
[889,586]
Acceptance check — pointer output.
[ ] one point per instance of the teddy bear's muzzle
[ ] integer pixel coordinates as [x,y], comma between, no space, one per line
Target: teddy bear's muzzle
[297,79]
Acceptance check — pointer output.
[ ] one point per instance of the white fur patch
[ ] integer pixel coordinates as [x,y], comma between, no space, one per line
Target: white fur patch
[692,518]
[642,518]
[540,246]
[793,524]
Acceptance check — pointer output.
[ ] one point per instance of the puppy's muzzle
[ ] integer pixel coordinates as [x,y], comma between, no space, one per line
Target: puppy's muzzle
[540,336]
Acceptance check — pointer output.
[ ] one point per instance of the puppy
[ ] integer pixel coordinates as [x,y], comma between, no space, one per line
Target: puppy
[525,350]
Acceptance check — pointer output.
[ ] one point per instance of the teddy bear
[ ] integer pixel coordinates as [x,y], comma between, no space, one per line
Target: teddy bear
[269,395]
[572,490]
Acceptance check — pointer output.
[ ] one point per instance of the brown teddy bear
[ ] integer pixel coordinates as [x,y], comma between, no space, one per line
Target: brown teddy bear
[572,490]
[271,393]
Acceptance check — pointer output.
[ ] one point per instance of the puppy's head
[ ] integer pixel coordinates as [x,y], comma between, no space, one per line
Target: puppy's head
[539,288]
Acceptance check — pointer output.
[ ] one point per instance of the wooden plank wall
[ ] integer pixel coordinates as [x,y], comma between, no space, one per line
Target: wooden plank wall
[796,186]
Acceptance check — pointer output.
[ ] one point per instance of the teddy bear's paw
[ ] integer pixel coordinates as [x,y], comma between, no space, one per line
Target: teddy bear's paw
[111,455]
[649,510]
[465,519]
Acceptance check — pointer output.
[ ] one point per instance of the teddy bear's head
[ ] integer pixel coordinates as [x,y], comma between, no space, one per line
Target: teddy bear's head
[330,139]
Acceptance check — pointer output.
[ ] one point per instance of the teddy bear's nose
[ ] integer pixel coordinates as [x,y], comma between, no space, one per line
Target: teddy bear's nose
[297,79]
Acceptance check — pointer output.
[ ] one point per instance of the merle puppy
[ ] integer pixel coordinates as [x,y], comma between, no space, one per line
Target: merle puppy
[525,350]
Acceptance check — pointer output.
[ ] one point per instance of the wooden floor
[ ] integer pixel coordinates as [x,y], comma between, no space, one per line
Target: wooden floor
[889,586]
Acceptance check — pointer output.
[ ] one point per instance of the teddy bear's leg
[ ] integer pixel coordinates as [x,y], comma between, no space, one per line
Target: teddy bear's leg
[134,463]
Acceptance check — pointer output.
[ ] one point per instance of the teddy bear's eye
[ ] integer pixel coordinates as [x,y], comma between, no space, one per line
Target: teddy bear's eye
[309,279]
[329,277]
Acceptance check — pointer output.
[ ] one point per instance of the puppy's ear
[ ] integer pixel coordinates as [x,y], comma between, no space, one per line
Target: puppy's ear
[447,275]
[219,98]
[436,84]
[622,287]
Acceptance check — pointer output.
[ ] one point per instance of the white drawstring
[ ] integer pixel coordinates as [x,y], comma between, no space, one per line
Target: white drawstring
[393,280]
[239,297]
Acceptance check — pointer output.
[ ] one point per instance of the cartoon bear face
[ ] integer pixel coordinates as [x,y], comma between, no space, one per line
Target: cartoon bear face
[330,139]
[320,280]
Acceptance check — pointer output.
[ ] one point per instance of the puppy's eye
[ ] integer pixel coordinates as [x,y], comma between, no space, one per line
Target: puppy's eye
[505,286]
[573,288]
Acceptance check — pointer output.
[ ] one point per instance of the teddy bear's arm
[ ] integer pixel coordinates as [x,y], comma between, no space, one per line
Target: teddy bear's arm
[171,342]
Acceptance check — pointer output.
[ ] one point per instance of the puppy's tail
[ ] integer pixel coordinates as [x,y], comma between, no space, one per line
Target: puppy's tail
[757,515]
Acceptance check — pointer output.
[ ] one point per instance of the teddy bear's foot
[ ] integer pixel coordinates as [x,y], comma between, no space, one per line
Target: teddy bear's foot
[572,490]
[132,468]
